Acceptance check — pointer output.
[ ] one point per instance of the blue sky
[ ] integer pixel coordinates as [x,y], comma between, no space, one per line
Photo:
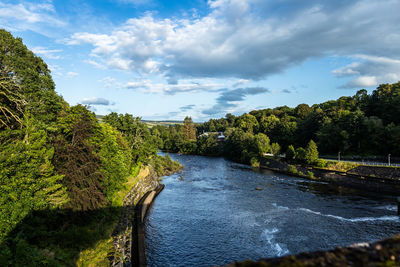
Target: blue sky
[169,59]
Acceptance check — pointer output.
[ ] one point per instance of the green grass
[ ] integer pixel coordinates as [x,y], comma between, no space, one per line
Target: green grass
[97,255]
[341,166]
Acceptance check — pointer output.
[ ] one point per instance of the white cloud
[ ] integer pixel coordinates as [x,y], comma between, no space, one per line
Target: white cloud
[245,39]
[361,82]
[20,16]
[48,53]
[369,71]
[109,82]
[72,74]
[95,63]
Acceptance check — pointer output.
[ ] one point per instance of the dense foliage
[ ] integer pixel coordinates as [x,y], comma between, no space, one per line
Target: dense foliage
[58,161]
[361,125]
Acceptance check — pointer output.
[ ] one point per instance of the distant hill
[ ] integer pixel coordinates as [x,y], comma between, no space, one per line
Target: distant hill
[151,123]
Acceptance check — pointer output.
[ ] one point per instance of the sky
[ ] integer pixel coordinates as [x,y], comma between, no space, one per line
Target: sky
[164,60]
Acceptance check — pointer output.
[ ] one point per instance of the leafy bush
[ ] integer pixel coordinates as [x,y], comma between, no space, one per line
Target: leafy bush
[254,162]
[292,169]
[275,149]
[320,163]
[301,154]
[340,165]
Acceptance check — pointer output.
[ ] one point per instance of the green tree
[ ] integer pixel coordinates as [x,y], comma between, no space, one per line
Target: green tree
[137,134]
[290,153]
[300,154]
[115,157]
[302,111]
[311,155]
[12,102]
[34,87]
[28,179]
[262,143]
[189,131]
[275,149]
[247,123]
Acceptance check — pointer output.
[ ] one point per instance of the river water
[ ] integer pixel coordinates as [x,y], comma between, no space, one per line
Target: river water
[215,215]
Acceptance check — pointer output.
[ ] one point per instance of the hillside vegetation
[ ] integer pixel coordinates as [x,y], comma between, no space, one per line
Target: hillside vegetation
[60,169]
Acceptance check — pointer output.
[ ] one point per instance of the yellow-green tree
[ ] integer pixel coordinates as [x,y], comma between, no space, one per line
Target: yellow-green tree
[311,152]
[188,129]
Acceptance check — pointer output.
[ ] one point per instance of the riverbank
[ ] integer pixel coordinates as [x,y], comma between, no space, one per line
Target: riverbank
[124,235]
[138,235]
[384,180]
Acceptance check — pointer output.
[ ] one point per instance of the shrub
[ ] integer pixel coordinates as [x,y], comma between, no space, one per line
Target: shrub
[254,162]
[292,169]
[300,154]
[275,149]
[320,163]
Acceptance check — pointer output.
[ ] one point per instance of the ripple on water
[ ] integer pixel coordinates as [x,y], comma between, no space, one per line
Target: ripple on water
[276,248]
[215,216]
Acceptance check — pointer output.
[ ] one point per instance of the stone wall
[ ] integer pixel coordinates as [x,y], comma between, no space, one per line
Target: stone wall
[122,236]
[391,173]
[382,253]
[370,178]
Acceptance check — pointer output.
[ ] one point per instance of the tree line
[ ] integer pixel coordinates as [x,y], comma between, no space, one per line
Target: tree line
[362,125]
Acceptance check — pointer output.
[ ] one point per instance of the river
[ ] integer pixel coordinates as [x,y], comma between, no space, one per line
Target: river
[215,215]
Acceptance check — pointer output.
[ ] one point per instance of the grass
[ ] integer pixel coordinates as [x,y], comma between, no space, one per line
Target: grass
[342,166]
[97,255]
[138,173]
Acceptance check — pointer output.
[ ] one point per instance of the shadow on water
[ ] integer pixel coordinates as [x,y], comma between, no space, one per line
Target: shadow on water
[56,237]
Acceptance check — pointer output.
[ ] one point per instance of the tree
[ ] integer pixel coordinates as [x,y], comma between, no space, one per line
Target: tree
[29,79]
[137,134]
[247,123]
[76,159]
[311,155]
[188,129]
[290,153]
[12,102]
[275,149]
[302,111]
[28,179]
[300,154]
[262,143]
